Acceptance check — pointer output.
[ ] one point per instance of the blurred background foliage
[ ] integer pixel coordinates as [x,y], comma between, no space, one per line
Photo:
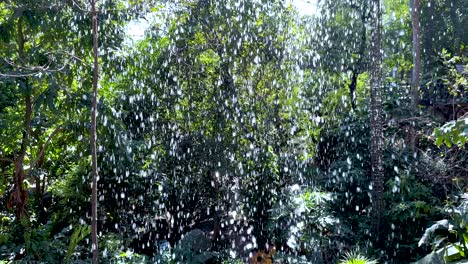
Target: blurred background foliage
[228,129]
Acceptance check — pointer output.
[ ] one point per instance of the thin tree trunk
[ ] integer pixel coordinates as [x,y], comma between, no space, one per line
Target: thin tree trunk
[20,195]
[358,68]
[415,80]
[416,54]
[93,138]
[458,28]
[376,119]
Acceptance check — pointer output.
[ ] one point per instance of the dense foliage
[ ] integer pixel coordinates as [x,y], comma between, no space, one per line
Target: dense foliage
[232,131]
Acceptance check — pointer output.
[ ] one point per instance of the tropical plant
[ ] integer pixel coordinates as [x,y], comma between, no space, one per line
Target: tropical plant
[355,257]
[303,220]
[194,247]
[81,232]
[454,132]
[450,232]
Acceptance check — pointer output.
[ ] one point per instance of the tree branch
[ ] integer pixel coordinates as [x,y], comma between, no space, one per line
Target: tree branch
[44,147]
[6,160]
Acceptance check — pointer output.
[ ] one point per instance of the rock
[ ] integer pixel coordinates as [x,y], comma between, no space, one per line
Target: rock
[432,258]
[196,241]
[450,254]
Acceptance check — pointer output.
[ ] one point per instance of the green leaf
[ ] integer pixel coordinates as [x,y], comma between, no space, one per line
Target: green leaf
[460,249]
[80,233]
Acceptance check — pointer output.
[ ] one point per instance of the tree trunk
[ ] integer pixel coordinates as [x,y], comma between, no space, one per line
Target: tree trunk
[376,119]
[457,26]
[94,171]
[19,196]
[416,54]
[358,68]
[415,79]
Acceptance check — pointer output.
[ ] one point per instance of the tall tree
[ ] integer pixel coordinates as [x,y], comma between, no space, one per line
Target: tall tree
[19,196]
[457,24]
[414,7]
[376,117]
[31,69]
[94,171]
